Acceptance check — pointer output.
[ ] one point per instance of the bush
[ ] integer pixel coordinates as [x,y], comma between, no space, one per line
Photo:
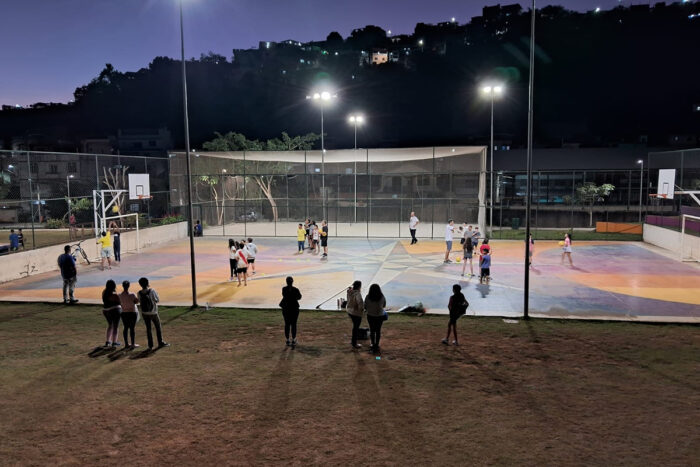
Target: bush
[172,220]
[55,224]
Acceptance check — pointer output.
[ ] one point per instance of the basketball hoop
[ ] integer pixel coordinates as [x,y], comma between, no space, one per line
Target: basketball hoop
[658,195]
[143,197]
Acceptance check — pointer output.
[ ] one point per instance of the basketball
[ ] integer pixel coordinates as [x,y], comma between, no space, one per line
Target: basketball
[115,208]
[561,243]
[458,259]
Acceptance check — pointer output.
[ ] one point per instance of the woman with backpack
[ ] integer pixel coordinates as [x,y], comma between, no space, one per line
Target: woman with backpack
[290,310]
[112,311]
[458,306]
[374,306]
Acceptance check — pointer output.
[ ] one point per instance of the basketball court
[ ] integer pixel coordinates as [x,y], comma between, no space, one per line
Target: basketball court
[609,280]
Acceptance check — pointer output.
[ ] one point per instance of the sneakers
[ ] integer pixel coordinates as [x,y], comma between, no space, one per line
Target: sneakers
[455,343]
[289,342]
[73,301]
[444,341]
[294,342]
[356,346]
[115,344]
[163,344]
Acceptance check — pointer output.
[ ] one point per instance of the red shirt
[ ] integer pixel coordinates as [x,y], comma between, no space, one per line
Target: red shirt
[484,249]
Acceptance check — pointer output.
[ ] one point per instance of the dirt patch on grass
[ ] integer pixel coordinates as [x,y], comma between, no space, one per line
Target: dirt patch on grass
[229,391]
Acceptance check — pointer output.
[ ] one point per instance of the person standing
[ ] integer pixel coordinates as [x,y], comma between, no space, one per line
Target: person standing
[251,252]
[112,310]
[301,237]
[530,249]
[307,227]
[148,298]
[475,236]
[72,233]
[198,231]
[315,234]
[116,241]
[105,241]
[355,308]
[412,225]
[69,274]
[449,232]
[20,238]
[242,264]
[324,239]
[566,250]
[458,306]
[290,310]
[130,314]
[468,251]
[232,260]
[14,240]
[485,264]
[374,306]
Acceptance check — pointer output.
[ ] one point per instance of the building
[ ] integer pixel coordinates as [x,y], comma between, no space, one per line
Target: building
[143,142]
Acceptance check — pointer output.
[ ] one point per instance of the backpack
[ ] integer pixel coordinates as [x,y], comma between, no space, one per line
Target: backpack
[146,301]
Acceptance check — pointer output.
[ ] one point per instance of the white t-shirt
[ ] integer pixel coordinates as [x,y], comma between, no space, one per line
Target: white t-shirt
[449,230]
[252,250]
[316,234]
[413,222]
[232,252]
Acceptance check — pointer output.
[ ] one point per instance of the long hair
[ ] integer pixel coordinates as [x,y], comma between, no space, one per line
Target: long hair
[110,288]
[230,243]
[375,293]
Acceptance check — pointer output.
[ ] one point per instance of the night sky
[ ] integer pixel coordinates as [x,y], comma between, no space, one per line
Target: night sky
[50,47]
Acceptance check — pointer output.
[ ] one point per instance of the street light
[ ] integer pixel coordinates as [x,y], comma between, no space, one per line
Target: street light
[641,183]
[491,92]
[323,97]
[70,226]
[356,120]
[187,155]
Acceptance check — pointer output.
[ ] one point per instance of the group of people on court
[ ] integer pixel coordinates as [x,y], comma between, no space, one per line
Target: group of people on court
[372,308]
[316,237]
[241,256]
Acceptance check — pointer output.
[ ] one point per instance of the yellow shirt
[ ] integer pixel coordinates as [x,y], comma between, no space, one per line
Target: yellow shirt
[106,241]
[301,235]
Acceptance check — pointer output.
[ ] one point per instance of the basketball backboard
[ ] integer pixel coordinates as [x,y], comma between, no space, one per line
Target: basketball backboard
[139,186]
[666,186]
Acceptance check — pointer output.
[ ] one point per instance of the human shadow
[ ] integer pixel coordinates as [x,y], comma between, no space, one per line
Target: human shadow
[100,351]
[145,353]
[484,289]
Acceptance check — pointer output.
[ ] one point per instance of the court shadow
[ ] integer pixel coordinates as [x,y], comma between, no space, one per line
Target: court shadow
[101,351]
[145,353]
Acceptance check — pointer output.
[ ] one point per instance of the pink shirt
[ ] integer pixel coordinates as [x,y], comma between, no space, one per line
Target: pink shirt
[128,301]
[567,241]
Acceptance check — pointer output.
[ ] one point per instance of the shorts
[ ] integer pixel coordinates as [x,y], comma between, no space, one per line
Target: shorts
[454,316]
[251,260]
[467,254]
[324,242]
[485,272]
[449,244]
[567,249]
[112,315]
[241,270]
[107,252]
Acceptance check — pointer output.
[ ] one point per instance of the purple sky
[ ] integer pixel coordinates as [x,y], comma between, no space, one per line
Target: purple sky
[50,47]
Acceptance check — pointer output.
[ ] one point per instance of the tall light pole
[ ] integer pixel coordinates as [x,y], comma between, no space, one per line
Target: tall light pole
[323,97]
[641,187]
[68,177]
[528,190]
[491,92]
[356,120]
[190,212]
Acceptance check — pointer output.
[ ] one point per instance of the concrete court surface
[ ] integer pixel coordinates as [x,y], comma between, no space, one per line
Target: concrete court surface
[609,280]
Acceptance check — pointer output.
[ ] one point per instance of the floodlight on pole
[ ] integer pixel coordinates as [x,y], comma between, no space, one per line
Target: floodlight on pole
[190,211]
[68,177]
[322,97]
[491,92]
[356,119]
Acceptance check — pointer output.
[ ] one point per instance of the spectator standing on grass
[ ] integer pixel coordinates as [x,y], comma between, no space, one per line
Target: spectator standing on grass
[242,264]
[301,237]
[20,238]
[449,232]
[233,260]
[251,252]
[116,241]
[458,306]
[130,314]
[566,250]
[112,310]
[14,240]
[412,226]
[467,251]
[105,242]
[69,274]
[374,306]
[355,308]
[290,310]
[324,238]
[148,298]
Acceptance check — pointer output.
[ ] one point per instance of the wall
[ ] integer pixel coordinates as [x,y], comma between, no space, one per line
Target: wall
[31,262]
[671,240]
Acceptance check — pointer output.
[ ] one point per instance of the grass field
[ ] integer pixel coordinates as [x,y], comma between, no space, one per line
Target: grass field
[229,392]
[578,235]
[45,237]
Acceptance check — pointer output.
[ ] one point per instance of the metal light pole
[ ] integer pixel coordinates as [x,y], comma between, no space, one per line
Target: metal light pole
[68,177]
[491,92]
[356,120]
[641,187]
[187,155]
[322,97]
[528,191]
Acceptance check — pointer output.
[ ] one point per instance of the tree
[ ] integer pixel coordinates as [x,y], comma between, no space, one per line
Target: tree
[115,179]
[77,206]
[232,141]
[589,194]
